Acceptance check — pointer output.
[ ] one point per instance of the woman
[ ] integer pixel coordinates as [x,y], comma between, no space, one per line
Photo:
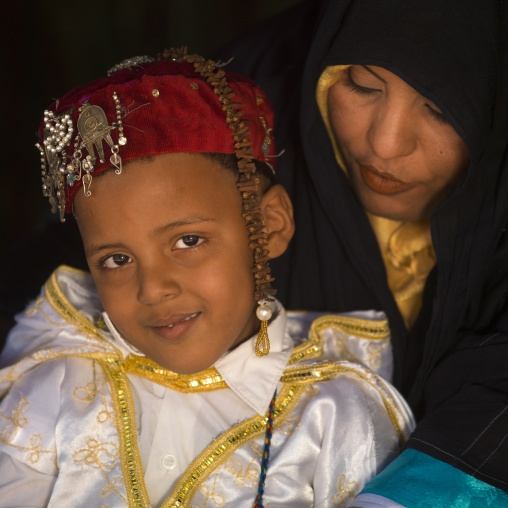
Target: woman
[397,165]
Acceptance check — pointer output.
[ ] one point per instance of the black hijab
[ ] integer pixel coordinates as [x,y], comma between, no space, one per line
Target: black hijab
[452,366]
[456,54]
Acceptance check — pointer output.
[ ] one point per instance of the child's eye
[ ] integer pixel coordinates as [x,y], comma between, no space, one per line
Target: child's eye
[188,241]
[116,260]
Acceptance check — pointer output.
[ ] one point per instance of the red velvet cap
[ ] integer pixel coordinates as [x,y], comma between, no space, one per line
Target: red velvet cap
[161,107]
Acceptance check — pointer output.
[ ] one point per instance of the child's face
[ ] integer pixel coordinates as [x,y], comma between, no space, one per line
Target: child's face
[168,249]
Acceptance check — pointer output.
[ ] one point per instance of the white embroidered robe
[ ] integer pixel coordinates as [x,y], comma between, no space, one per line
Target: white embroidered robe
[86,420]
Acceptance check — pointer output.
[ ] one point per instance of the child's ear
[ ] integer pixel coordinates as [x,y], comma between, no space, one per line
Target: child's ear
[277,211]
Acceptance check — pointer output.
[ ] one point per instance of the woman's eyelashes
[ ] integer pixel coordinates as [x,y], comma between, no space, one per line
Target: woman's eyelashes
[355,87]
[363,90]
[437,115]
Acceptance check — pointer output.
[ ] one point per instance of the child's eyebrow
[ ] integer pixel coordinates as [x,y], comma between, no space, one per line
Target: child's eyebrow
[186,221]
[94,249]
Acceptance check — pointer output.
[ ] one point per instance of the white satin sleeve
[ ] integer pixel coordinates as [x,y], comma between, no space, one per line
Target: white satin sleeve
[341,433]
[359,437]
[29,415]
[375,501]
[22,486]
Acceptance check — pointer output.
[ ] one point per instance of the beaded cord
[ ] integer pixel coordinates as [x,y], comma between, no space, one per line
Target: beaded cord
[266,454]
[248,181]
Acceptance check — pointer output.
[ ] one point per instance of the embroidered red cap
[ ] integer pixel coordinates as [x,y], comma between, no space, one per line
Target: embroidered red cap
[180,103]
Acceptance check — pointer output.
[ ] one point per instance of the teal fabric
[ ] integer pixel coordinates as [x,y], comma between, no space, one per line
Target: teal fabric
[417,480]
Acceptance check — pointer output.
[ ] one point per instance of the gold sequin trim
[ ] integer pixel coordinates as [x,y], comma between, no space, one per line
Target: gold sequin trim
[205,381]
[126,425]
[63,307]
[308,350]
[312,373]
[209,379]
[362,328]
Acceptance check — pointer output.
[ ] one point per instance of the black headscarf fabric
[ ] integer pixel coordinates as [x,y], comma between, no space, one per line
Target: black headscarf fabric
[453,365]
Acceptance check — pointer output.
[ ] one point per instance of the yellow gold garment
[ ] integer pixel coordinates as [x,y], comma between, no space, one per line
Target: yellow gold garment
[95,424]
[406,247]
[408,256]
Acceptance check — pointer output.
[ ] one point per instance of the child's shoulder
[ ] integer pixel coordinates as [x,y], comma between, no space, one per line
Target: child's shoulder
[56,345]
[51,380]
[343,361]
[65,320]
[362,338]
[53,387]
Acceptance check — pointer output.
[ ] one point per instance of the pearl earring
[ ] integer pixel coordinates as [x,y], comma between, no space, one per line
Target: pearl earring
[263,313]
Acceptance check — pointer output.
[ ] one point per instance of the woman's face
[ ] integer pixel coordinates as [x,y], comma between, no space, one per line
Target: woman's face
[401,154]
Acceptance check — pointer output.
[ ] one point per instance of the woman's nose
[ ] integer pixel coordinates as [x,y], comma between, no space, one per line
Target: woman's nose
[392,131]
[156,282]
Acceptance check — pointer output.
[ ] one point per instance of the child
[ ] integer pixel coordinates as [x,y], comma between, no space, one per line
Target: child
[153,382]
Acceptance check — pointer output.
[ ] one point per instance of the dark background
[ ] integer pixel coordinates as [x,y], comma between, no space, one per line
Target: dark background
[50,46]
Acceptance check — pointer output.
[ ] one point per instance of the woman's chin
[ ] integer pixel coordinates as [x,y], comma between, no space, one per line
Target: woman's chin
[395,211]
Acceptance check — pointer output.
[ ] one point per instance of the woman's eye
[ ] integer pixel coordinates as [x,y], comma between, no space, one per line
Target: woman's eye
[116,260]
[188,241]
[437,115]
[355,87]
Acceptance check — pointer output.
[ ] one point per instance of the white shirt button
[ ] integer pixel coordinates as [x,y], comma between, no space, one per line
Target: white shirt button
[168,462]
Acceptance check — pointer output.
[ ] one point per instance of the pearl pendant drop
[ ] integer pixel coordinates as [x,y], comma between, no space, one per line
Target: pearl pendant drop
[264,312]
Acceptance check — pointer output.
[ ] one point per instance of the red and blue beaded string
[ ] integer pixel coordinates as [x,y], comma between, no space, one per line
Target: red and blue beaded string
[266,454]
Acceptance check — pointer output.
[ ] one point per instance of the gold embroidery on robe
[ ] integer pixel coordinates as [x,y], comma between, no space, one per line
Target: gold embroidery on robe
[346,491]
[17,421]
[297,380]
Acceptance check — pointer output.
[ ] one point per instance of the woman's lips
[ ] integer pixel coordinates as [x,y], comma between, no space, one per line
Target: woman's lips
[382,183]
[176,326]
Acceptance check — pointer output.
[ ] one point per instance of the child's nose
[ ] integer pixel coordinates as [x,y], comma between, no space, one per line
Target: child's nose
[157,282]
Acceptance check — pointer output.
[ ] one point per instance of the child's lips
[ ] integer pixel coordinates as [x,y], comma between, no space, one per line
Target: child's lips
[175,326]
